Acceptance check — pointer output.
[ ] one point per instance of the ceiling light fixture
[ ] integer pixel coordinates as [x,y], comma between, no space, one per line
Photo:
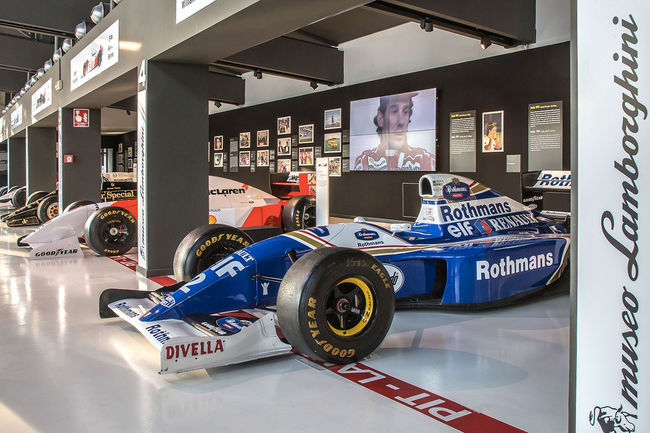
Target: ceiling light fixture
[40,73]
[98,12]
[58,53]
[81,29]
[313,85]
[48,65]
[217,104]
[485,42]
[67,44]
[258,74]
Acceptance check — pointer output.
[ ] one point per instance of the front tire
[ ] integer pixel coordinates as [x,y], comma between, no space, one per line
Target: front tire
[77,204]
[48,208]
[299,213]
[336,304]
[205,246]
[111,231]
[37,195]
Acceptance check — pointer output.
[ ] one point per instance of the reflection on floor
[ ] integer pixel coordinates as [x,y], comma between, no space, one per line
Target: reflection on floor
[62,369]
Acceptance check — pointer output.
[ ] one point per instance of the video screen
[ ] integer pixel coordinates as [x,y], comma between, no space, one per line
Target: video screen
[394,132]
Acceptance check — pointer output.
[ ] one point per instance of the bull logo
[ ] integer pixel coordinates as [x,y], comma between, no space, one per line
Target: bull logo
[612,420]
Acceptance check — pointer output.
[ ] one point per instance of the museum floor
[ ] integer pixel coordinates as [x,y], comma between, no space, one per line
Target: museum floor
[62,369]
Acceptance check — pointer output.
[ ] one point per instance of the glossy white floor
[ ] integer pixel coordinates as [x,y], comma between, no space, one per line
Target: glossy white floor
[62,369]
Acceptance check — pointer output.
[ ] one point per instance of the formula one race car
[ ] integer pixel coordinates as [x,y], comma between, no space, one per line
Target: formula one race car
[330,291]
[13,197]
[39,208]
[230,202]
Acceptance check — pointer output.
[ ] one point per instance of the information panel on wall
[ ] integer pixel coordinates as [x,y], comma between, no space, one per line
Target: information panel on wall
[462,141]
[42,98]
[99,55]
[613,240]
[545,136]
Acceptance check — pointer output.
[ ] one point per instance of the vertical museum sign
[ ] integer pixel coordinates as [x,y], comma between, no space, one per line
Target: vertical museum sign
[142,164]
[613,284]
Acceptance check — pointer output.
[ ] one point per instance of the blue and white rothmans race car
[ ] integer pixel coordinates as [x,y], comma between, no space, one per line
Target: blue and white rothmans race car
[330,292]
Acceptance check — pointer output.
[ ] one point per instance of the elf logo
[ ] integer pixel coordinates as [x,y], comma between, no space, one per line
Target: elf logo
[612,420]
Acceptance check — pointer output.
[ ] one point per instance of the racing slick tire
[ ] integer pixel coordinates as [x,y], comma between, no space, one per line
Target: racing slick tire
[19,198]
[48,208]
[76,204]
[336,304]
[205,246]
[3,190]
[36,195]
[299,213]
[111,231]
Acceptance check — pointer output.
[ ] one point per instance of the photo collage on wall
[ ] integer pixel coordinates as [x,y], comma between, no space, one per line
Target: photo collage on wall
[252,148]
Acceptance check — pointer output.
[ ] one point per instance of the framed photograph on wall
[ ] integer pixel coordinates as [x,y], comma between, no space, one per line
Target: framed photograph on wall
[284,146]
[284,125]
[120,147]
[332,118]
[306,134]
[492,132]
[334,166]
[218,142]
[284,165]
[306,156]
[332,142]
[129,152]
[263,158]
[218,159]
[245,158]
[129,163]
[244,140]
[263,138]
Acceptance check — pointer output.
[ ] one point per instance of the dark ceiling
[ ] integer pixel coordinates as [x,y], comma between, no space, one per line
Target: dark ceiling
[30,30]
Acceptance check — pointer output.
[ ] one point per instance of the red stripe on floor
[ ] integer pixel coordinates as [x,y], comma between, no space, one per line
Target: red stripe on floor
[432,405]
[133,265]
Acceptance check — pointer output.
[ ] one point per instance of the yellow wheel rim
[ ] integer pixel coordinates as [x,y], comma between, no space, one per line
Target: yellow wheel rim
[365,314]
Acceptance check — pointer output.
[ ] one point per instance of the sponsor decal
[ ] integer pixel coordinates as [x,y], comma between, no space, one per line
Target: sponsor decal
[118,195]
[56,253]
[157,332]
[455,190]
[483,226]
[369,244]
[319,231]
[366,235]
[197,348]
[396,276]
[124,308]
[553,179]
[464,211]
[507,266]
[228,191]
[168,302]
[232,325]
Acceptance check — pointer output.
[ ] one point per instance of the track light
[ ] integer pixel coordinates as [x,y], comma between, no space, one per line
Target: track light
[32,81]
[67,44]
[98,12]
[40,73]
[217,104]
[81,29]
[426,24]
[258,74]
[485,42]
[128,112]
[313,85]
[48,65]
[58,53]
[22,91]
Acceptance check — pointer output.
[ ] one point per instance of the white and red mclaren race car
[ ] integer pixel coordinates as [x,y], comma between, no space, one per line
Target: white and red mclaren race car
[109,228]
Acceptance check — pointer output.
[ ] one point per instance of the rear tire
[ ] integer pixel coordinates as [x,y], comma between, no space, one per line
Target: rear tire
[48,208]
[205,246]
[19,198]
[336,304]
[299,213]
[111,231]
[37,195]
